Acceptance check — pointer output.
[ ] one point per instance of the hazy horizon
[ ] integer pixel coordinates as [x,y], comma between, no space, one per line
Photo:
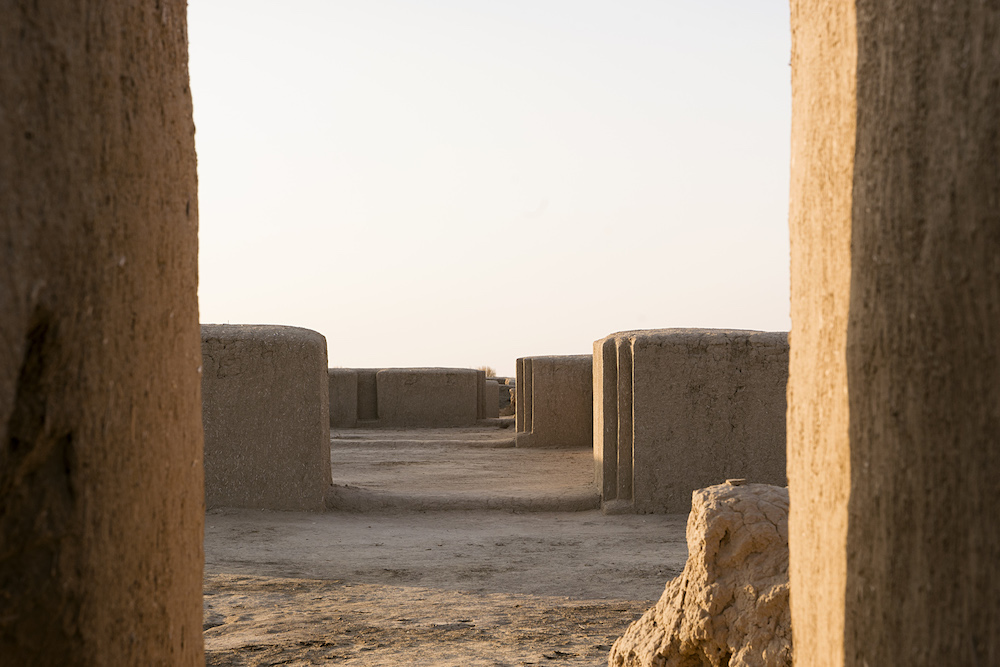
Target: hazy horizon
[464,183]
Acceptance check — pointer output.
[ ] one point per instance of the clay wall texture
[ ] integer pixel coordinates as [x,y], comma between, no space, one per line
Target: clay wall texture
[824,57]
[680,409]
[343,385]
[428,396]
[555,399]
[894,404]
[923,359]
[102,511]
[265,392]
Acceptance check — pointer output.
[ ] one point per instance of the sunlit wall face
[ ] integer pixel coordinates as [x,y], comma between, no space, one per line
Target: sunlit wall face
[462,183]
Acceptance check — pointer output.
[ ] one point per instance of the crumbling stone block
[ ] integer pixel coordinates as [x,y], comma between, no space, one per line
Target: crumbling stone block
[730,606]
[265,408]
[555,401]
[680,409]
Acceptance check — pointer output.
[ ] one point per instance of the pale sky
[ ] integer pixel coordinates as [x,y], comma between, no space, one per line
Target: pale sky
[461,183]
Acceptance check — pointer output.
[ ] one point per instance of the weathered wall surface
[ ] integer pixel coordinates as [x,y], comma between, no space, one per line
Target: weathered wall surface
[729,607]
[923,359]
[823,121]
[265,393]
[100,432]
[343,384]
[895,193]
[683,409]
[555,401]
[428,396]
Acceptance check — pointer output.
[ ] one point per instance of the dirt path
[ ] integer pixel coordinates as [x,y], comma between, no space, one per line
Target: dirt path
[442,587]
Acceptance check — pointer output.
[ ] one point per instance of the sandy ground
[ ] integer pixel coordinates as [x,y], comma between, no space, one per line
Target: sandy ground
[412,581]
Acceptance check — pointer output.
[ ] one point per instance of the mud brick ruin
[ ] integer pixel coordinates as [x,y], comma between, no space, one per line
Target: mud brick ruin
[555,401]
[397,397]
[893,404]
[264,407]
[680,409]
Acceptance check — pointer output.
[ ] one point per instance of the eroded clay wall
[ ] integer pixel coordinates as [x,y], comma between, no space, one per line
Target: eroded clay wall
[682,409]
[555,401]
[265,392]
[100,463]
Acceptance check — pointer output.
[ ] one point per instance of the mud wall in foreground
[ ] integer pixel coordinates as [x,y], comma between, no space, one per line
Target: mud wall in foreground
[894,404]
[101,505]
[923,359]
[823,110]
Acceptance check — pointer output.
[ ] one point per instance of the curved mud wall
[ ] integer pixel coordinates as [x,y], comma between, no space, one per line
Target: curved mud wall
[100,431]
[266,412]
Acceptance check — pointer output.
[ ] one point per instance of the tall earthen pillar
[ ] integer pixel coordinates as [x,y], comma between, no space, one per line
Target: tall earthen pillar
[894,399]
[101,502]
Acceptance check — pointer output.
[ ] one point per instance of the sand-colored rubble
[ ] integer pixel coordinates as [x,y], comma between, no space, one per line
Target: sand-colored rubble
[729,608]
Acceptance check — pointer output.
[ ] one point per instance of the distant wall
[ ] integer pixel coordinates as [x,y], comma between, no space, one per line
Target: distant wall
[419,397]
[491,400]
[367,407]
[680,409]
[265,393]
[428,396]
[554,401]
[343,385]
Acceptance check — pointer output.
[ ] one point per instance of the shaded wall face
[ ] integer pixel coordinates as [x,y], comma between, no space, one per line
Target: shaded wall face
[895,194]
[343,386]
[100,430]
[923,357]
